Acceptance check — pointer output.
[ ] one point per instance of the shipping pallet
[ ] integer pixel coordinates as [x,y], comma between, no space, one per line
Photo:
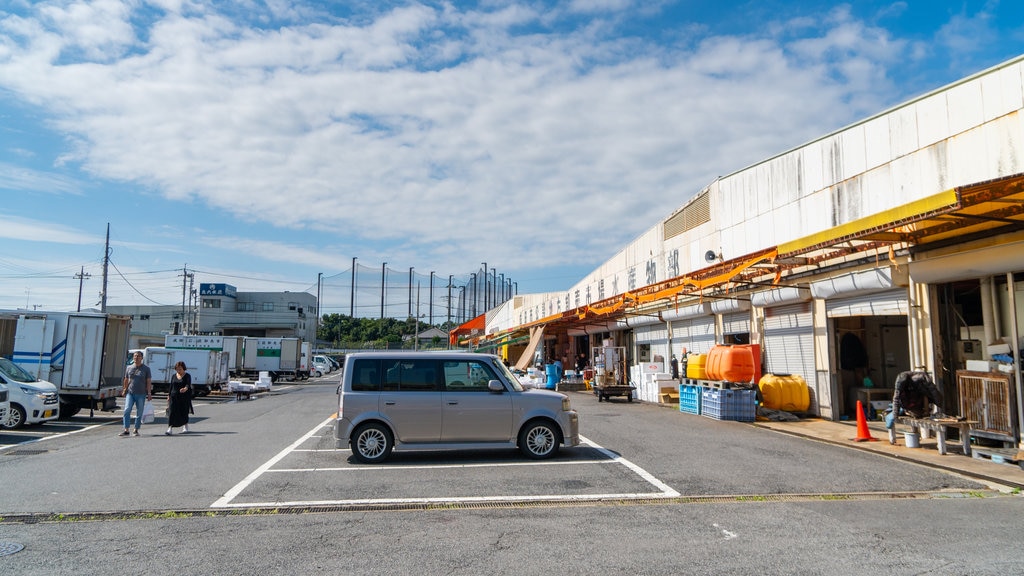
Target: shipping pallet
[999,455]
[719,384]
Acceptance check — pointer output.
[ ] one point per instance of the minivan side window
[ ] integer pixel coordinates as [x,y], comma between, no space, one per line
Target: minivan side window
[366,375]
[462,376]
[410,375]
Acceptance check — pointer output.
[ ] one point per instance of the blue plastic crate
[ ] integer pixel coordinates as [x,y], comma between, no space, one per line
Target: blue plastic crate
[735,405]
[689,398]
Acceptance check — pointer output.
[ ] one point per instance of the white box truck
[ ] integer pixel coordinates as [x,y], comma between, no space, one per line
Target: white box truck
[231,346]
[82,353]
[209,369]
[280,357]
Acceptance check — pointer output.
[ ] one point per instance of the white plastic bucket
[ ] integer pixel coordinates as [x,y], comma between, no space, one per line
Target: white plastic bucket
[912,439]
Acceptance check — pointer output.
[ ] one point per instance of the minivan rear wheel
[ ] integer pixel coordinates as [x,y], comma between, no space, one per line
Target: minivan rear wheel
[372,443]
[538,440]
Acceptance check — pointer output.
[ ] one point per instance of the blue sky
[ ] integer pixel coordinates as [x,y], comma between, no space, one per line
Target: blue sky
[263,143]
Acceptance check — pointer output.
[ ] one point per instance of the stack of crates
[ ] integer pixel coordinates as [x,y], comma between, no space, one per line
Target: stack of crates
[733,404]
[689,398]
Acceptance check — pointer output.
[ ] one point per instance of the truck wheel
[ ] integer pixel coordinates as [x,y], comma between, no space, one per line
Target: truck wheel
[15,417]
[67,410]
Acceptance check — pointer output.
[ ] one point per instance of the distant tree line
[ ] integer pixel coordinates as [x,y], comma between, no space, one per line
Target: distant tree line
[342,331]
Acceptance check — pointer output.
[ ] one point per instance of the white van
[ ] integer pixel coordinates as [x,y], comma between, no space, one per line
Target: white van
[31,401]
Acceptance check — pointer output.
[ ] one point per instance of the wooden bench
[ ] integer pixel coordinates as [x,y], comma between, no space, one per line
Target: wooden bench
[923,426]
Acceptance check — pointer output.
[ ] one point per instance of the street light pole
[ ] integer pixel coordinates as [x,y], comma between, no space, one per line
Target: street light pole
[316,322]
[486,307]
[383,285]
[472,308]
[450,297]
[410,290]
[352,298]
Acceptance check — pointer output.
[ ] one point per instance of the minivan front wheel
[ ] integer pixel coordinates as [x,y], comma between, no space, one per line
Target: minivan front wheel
[539,440]
[372,443]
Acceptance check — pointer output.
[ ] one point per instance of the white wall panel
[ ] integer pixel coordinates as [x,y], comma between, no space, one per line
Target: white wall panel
[903,131]
[877,188]
[932,120]
[877,145]
[812,165]
[963,105]
[1001,92]
[1005,139]
[853,152]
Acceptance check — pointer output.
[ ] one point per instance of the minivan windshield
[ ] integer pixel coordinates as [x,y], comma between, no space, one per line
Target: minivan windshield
[15,372]
[508,375]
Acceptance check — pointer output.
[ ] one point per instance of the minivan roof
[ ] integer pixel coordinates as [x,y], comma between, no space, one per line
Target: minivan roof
[415,355]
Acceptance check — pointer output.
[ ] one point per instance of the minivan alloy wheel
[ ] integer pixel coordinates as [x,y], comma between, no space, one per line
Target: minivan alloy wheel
[539,440]
[372,443]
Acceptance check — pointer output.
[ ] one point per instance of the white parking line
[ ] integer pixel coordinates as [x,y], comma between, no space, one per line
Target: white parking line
[227,501]
[45,438]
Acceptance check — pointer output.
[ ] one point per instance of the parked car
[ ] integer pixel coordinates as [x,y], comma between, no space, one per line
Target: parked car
[438,401]
[4,403]
[318,369]
[31,401]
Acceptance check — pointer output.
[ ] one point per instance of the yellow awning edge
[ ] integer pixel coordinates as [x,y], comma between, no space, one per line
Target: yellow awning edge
[945,200]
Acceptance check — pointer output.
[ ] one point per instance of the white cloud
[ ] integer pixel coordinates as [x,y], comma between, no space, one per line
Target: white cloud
[430,127]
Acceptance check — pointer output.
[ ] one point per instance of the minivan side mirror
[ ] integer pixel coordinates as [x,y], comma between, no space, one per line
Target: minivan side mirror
[338,390]
[495,386]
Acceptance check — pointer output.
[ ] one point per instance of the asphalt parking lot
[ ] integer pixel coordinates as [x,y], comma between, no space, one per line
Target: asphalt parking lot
[311,472]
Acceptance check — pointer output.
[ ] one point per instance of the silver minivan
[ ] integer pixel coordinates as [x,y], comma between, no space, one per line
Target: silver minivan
[445,401]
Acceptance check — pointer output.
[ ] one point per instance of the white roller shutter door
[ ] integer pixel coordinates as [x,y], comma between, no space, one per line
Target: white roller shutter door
[887,303]
[736,323]
[657,336]
[696,334]
[789,340]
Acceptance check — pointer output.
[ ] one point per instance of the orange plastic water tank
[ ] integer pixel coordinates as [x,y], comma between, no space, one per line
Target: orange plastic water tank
[696,366]
[730,363]
[787,392]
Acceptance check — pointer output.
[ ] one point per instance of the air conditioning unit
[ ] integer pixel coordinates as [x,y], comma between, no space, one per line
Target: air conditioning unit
[968,350]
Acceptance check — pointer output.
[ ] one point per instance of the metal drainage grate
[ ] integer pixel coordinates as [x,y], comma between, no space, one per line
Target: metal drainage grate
[26,452]
[8,548]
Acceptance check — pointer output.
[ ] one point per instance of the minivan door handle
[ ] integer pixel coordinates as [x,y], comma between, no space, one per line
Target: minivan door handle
[453,403]
[392,403]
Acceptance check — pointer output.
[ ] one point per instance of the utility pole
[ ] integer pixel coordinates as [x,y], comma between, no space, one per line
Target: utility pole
[106,261]
[81,276]
[185,277]
[430,301]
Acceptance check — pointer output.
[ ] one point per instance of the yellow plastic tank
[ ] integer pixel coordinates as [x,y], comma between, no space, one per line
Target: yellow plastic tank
[787,392]
[696,366]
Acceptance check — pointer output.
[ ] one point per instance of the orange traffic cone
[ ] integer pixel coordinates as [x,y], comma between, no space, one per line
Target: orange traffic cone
[863,433]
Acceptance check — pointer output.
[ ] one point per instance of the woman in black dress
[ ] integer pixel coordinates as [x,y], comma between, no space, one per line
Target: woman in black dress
[179,399]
